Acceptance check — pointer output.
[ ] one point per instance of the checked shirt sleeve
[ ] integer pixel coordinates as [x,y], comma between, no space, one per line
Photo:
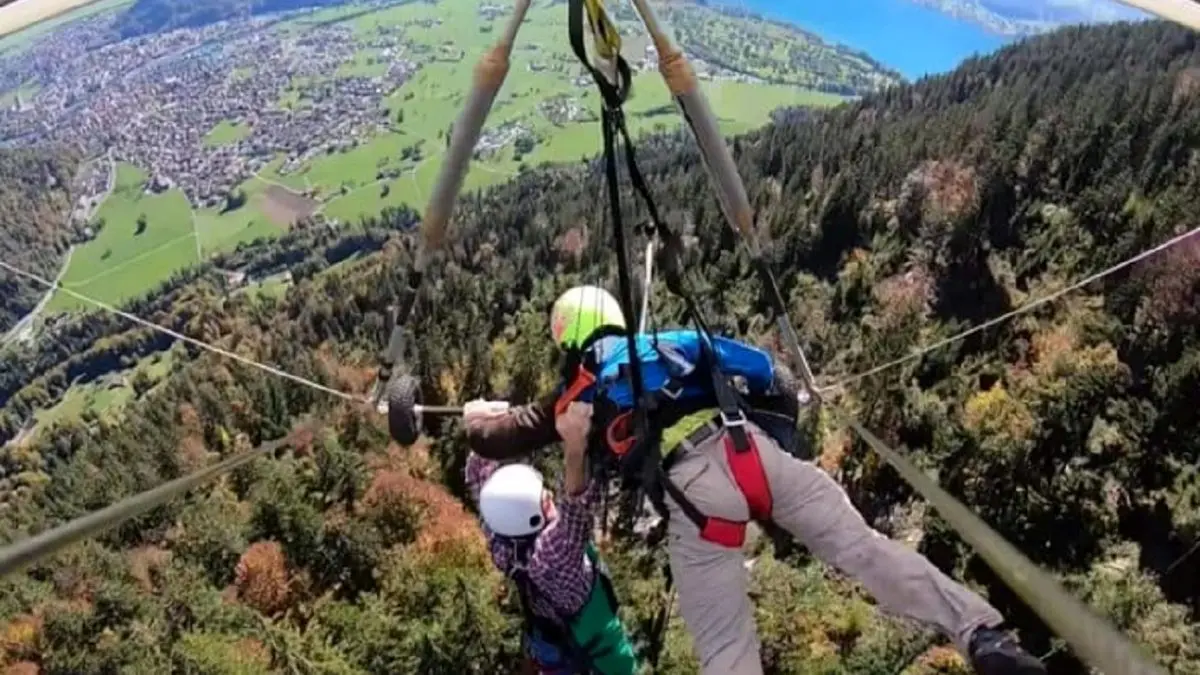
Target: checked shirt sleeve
[557,564]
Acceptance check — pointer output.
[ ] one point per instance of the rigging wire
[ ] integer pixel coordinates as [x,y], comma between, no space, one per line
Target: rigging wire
[180,336]
[647,285]
[1023,309]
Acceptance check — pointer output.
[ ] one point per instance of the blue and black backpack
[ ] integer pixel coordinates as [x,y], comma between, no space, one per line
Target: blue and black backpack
[678,368]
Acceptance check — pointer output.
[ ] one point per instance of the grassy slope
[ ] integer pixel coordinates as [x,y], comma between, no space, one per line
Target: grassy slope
[100,398]
[223,231]
[434,95]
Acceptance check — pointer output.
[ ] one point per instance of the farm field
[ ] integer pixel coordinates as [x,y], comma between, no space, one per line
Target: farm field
[541,77]
[120,264]
[142,239]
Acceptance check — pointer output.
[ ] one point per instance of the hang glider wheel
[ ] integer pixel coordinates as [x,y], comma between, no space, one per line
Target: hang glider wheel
[404,423]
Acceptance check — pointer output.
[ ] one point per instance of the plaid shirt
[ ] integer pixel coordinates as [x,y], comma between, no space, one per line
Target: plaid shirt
[558,567]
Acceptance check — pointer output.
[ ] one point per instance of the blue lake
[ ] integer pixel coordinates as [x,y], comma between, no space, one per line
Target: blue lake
[911,38]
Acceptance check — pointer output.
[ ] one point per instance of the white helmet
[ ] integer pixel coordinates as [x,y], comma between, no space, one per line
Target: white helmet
[511,501]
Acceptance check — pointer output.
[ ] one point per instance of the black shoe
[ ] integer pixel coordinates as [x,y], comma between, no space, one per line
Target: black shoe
[997,652]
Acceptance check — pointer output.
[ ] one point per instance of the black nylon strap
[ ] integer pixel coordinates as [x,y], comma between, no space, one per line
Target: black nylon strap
[640,422]
[689,509]
[646,452]
[579,656]
[613,96]
[635,176]
[732,416]
[727,400]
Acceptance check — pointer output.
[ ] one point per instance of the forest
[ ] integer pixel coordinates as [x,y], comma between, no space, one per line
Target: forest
[894,221]
[35,202]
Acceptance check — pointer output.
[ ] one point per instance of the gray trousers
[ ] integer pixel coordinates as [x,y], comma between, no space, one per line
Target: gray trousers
[807,503]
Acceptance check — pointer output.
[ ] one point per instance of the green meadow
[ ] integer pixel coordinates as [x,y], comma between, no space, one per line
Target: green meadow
[106,396]
[125,259]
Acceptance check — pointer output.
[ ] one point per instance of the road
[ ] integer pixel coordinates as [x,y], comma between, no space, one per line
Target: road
[25,326]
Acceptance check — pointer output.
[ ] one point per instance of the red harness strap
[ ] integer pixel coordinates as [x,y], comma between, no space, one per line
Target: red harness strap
[583,380]
[750,476]
[751,479]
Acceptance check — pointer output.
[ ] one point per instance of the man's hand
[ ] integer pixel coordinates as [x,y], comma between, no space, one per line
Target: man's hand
[573,427]
[482,408]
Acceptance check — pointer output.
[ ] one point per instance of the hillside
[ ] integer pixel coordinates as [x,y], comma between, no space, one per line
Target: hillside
[770,51]
[35,205]
[896,220]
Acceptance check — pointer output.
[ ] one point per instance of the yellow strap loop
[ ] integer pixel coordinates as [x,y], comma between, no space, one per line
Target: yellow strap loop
[604,31]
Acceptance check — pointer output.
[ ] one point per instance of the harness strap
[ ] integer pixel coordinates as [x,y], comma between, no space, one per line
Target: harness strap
[750,478]
[548,630]
[732,417]
[640,447]
[583,379]
[608,44]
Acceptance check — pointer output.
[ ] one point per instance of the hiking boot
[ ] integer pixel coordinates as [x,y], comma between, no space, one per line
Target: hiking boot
[997,652]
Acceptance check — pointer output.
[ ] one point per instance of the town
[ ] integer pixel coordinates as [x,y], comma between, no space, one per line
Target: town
[153,101]
[282,94]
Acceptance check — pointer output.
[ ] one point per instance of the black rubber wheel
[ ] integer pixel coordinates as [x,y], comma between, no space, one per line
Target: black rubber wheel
[404,393]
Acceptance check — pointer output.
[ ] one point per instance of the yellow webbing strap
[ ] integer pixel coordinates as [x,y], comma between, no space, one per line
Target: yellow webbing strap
[676,433]
[604,31]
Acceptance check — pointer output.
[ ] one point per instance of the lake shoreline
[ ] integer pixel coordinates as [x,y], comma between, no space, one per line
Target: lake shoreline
[945,41]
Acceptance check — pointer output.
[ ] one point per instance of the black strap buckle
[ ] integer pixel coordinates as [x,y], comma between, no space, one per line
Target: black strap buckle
[733,419]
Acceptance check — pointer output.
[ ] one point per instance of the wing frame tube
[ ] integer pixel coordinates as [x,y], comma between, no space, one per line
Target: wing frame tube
[1091,636]
[1183,12]
[488,77]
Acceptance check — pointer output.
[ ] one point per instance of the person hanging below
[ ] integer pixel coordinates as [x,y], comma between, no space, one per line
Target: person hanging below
[726,470]
[544,544]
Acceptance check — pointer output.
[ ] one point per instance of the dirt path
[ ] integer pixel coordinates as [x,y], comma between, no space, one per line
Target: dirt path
[268,181]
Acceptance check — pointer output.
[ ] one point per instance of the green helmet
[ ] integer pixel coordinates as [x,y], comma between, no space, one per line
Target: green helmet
[580,312]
